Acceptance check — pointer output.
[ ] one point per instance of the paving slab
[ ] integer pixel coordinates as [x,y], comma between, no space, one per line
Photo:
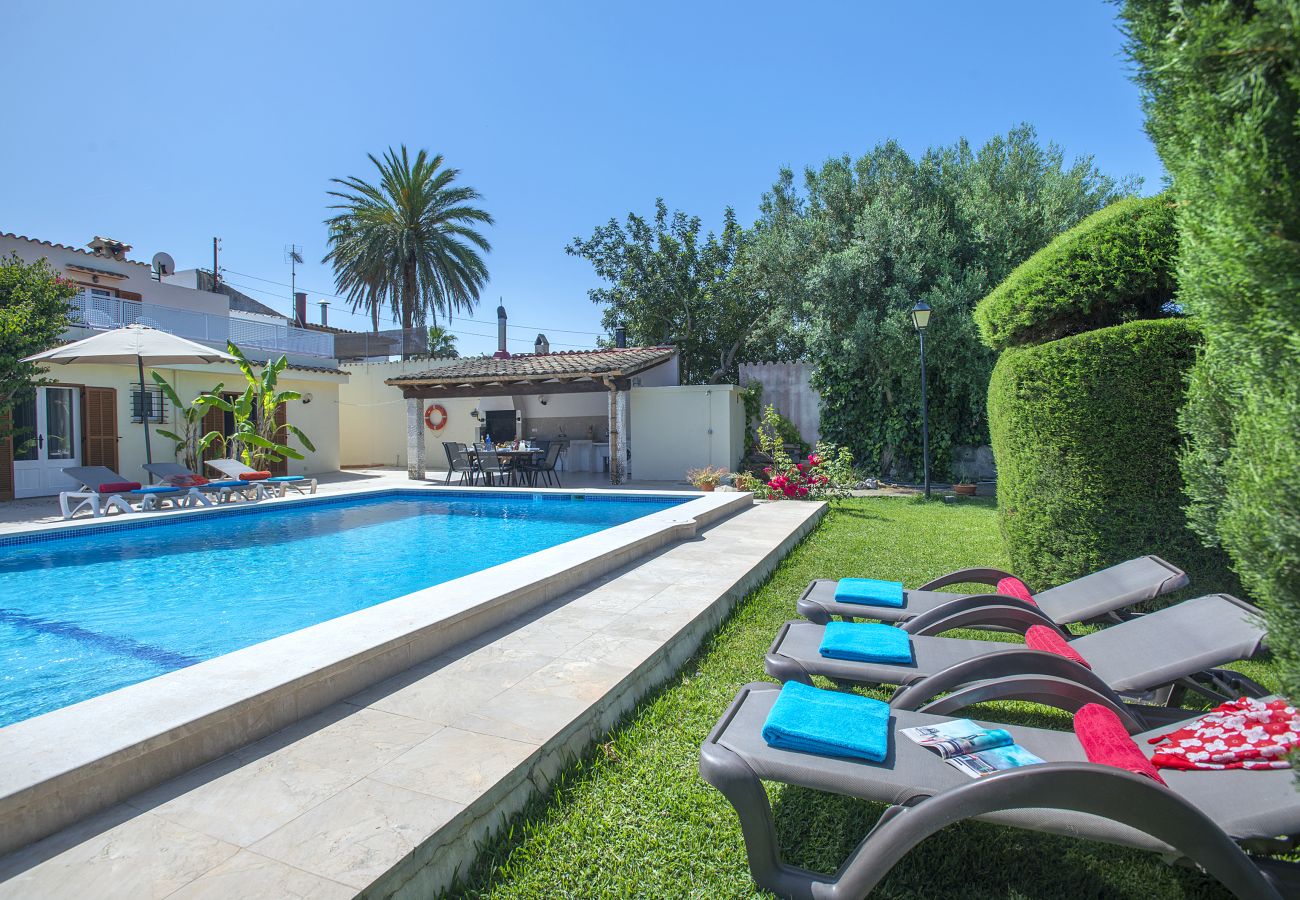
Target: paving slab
[390,791]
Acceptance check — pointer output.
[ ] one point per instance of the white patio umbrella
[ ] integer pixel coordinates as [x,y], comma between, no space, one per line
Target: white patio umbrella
[137,344]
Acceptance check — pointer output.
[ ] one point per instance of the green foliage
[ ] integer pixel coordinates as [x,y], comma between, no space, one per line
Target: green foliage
[408,243]
[1085,434]
[850,254]
[191,442]
[1221,84]
[669,283]
[258,440]
[751,397]
[1115,266]
[33,316]
[827,473]
[442,343]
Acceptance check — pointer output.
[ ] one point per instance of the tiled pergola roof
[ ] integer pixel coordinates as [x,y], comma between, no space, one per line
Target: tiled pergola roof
[576,370]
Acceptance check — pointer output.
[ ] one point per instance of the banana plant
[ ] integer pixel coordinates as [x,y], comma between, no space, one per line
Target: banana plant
[191,442]
[257,439]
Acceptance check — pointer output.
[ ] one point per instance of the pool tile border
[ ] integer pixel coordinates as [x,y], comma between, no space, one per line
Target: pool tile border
[61,531]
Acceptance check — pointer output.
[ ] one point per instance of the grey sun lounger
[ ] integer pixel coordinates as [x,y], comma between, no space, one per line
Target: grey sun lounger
[223,490]
[233,468]
[1207,818]
[89,497]
[1151,658]
[1090,597]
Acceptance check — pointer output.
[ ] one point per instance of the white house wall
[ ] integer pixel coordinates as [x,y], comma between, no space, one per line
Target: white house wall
[318,419]
[684,427]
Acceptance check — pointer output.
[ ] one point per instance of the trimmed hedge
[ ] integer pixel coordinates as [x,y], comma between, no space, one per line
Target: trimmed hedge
[1115,266]
[1221,85]
[1085,432]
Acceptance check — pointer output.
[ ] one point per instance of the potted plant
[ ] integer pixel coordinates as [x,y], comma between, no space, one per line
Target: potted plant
[965,487]
[707,478]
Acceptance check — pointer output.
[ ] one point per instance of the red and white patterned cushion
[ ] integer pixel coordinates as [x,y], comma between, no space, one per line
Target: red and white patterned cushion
[1241,734]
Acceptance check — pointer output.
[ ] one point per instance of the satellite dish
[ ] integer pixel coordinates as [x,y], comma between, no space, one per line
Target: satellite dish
[163,264]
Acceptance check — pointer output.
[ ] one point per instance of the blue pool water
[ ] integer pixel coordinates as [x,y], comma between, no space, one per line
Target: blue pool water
[85,615]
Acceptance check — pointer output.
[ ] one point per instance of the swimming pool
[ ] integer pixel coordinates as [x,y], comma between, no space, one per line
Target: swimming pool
[85,614]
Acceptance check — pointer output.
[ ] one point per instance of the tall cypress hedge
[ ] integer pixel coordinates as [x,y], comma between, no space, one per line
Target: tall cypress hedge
[1222,90]
[1085,435]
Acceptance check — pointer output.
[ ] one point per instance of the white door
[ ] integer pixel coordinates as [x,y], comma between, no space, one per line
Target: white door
[48,439]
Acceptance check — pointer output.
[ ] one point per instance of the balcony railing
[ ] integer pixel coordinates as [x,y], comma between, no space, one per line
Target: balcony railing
[98,311]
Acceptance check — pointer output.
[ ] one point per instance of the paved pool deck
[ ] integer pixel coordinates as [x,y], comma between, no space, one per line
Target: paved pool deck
[18,515]
[387,792]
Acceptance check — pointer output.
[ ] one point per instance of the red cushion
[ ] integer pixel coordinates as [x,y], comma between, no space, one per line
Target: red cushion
[185,480]
[1106,741]
[119,487]
[254,476]
[1040,637]
[1014,587]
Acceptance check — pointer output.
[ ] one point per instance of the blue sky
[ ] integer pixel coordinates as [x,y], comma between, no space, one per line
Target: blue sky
[166,124]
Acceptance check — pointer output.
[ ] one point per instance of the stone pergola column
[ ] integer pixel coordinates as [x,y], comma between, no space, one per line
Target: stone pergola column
[617,436]
[415,439]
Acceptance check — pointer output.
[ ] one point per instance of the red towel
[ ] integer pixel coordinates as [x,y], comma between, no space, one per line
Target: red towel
[1014,587]
[184,481]
[1240,734]
[119,487]
[1040,637]
[254,476]
[1106,741]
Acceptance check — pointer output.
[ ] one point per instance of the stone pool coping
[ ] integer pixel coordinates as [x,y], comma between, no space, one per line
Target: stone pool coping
[62,766]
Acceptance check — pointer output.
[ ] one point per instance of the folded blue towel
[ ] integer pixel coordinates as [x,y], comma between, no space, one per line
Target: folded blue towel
[811,720]
[866,642]
[155,489]
[870,592]
[229,484]
[286,478]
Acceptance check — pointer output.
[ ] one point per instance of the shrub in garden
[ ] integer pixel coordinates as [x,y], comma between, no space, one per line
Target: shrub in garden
[1115,266]
[827,473]
[1222,90]
[1085,435]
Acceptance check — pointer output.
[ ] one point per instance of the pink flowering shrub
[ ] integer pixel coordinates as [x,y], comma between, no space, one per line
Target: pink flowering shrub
[827,473]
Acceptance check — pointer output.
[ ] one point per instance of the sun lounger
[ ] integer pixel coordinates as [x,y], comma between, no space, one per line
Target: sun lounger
[233,468]
[90,495]
[1204,817]
[1154,658]
[223,490]
[1090,597]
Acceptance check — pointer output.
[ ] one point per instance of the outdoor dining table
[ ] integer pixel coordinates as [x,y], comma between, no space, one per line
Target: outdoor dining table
[515,459]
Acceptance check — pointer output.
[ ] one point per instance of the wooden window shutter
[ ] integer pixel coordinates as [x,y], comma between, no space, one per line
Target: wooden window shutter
[99,426]
[281,417]
[6,454]
[213,420]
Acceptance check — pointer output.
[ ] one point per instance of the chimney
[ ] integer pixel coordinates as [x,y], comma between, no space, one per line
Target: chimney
[325,313]
[541,346]
[502,352]
[300,308]
[620,336]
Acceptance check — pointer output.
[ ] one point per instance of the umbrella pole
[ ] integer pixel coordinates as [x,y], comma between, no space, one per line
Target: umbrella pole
[144,413]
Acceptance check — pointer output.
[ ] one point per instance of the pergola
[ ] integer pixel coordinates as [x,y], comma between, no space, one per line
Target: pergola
[579,371]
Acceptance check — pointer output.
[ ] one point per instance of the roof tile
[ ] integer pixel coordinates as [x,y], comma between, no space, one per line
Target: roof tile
[532,366]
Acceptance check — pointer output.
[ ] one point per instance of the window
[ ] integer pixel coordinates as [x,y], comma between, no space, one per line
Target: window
[151,400]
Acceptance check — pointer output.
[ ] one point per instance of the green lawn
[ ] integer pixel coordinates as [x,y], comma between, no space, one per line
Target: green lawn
[634,819]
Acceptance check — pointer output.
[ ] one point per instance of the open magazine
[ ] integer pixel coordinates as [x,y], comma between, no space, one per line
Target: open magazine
[971,749]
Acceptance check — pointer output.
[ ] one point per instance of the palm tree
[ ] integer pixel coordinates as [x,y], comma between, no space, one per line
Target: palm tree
[442,343]
[408,242]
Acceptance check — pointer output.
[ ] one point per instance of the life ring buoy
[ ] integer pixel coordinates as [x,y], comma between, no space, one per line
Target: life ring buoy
[429,420]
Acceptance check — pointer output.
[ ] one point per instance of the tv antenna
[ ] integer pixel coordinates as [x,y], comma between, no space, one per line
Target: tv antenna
[293,256]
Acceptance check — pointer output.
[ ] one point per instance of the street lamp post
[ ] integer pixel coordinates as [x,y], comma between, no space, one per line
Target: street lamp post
[921,319]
